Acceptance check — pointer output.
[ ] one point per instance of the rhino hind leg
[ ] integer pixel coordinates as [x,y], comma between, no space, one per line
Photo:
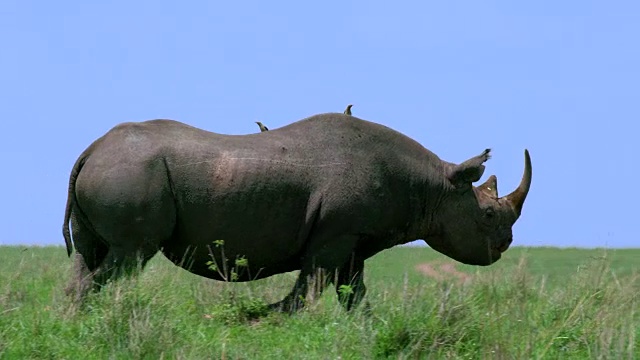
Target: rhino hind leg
[99,260]
[81,280]
[122,262]
[90,253]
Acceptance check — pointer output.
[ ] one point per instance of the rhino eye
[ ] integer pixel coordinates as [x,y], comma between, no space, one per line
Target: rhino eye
[489,213]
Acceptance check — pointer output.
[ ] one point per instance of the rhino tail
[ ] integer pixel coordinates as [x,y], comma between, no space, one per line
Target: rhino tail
[71,200]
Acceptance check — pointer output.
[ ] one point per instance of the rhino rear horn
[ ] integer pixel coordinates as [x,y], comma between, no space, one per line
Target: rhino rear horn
[517,197]
[490,187]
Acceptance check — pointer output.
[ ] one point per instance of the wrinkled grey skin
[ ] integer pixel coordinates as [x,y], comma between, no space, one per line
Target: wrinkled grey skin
[320,195]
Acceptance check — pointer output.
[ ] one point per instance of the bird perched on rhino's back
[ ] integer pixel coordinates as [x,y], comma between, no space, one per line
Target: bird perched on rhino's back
[262,127]
[347,111]
[320,195]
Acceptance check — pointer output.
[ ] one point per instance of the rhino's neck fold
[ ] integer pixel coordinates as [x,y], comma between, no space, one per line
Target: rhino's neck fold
[425,207]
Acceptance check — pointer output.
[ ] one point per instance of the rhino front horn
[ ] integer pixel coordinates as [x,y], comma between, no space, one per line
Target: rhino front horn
[517,197]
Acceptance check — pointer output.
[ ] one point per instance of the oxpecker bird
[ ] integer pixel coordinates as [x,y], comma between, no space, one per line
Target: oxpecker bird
[347,111]
[262,127]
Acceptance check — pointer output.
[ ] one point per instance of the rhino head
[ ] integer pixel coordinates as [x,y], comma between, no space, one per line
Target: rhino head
[473,225]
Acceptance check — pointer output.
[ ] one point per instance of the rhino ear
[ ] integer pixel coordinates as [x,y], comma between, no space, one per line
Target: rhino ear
[469,171]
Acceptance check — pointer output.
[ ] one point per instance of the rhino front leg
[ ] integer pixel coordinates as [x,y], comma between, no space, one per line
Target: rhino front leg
[350,284]
[309,285]
[323,260]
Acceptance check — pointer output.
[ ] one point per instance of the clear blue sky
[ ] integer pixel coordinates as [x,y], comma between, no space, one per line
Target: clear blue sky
[560,78]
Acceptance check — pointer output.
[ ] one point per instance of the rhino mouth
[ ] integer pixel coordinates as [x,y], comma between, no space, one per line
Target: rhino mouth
[502,247]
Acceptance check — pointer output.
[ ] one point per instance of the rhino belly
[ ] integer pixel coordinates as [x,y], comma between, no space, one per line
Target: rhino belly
[252,211]
[244,261]
[256,243]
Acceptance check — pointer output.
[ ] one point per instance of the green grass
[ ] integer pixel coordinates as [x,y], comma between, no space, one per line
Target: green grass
[535,303]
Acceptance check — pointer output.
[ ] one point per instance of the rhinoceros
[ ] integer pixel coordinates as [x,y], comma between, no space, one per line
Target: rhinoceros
[320,195]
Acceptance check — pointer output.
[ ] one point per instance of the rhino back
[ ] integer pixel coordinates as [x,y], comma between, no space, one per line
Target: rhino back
[263,186]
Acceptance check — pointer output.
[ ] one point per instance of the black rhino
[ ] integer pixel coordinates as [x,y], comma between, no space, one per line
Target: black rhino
[320,195]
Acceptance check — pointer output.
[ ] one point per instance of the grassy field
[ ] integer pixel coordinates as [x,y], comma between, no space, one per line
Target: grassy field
[535,303]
